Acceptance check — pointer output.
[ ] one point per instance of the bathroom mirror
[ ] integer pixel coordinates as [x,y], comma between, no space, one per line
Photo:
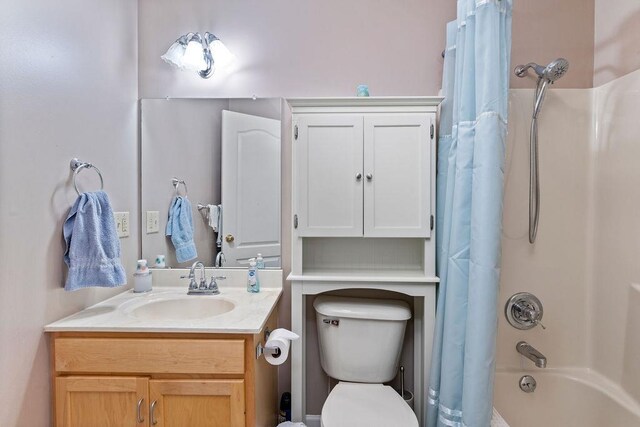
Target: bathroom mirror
[227,152]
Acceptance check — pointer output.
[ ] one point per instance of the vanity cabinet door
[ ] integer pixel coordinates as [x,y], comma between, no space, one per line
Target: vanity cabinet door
[101,402]
[328,175]
[197,403]
[397,185]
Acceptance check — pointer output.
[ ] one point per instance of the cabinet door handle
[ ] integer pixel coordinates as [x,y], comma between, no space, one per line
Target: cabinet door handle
[358,176]
[140,419]
[153,415]
[369,176]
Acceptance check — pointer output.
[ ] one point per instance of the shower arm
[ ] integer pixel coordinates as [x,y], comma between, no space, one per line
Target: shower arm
[521,70]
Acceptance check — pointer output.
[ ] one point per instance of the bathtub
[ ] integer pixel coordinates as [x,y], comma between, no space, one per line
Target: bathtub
[564,398]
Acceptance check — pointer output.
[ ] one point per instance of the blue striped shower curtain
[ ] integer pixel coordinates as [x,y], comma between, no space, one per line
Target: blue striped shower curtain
[471,152]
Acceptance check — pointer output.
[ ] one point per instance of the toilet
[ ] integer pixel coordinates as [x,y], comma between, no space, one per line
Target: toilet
[360,340]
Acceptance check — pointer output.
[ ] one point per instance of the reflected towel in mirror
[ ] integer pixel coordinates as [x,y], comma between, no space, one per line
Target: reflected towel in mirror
[180,229]
[214,217]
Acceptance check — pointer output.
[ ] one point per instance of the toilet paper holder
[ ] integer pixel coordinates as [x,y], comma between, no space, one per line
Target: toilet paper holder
[260,349]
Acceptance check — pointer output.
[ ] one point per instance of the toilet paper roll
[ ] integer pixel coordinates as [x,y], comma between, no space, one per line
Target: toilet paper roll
[281,339]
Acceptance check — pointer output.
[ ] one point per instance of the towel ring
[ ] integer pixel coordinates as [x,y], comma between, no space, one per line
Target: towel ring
[77,166]
[176,183]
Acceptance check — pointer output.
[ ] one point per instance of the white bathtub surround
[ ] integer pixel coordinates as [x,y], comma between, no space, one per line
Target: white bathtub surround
[497,420]
[129,312]
[564,397]
[583,266]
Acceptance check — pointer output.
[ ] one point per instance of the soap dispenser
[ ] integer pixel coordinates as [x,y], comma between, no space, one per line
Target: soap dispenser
[142,277]
[253,281]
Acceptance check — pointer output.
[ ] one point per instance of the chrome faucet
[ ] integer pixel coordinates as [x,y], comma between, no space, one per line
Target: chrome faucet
[220,259]
[202,289]
[532,354]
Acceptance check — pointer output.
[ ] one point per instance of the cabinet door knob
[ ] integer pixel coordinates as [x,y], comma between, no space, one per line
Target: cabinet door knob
[358,176]
[153,415]
[369,176]
[140,418]
[229,238]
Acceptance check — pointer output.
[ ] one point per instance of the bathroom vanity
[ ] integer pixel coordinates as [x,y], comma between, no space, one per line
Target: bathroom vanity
[362,219]
[164,358]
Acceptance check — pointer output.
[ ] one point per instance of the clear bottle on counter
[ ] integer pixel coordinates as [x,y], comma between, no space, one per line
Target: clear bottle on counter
[260,262]
[253,280]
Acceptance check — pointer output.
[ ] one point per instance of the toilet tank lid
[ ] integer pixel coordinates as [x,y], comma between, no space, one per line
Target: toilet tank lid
[362,308]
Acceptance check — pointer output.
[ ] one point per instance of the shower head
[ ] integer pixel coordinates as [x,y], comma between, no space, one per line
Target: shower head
[556,69]
[551,72]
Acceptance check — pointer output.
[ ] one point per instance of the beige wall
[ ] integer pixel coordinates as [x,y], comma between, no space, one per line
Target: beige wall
[617,36]
[290,48]
[68,87]
[544,30]
[300,48]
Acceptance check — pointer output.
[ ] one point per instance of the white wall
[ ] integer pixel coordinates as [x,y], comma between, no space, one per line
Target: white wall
[68,87]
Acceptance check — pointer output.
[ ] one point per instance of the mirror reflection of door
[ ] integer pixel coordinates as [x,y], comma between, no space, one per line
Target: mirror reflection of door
[250,189]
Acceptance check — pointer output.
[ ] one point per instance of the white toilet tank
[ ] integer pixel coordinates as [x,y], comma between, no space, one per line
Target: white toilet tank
[360,339]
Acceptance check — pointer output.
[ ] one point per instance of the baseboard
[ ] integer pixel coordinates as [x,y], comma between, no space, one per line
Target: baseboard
[312,420]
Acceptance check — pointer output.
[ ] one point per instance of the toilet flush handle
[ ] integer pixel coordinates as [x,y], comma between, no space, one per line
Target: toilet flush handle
[332,322]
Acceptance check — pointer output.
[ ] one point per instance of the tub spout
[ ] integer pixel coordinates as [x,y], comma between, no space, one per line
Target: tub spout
[532,354]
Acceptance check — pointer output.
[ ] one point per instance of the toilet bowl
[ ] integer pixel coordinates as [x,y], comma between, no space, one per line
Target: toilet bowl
[360,341]
[366,405]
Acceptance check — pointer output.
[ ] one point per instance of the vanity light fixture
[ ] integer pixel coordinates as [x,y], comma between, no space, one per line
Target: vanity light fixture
[196,52]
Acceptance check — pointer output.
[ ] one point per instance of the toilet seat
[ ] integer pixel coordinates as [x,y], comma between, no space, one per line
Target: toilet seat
[366,405]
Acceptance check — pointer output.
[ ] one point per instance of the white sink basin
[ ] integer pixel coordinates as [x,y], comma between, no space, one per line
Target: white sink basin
[179,308]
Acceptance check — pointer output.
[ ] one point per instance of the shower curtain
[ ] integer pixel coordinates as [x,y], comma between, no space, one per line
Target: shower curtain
[471,151]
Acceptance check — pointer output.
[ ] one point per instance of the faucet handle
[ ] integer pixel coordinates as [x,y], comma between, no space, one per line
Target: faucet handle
[192,283]
[539,323]
[213,285]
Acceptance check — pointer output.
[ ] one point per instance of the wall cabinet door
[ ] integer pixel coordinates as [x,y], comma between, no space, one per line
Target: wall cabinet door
[197,403]
[397,187]
[329,175]
[101,402]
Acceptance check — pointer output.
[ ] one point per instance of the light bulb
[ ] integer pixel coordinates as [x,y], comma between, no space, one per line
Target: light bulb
[222,58]
[175,54]
[193,58]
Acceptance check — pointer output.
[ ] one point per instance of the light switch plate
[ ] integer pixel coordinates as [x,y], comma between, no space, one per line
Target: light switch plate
[153,222]
[122,223]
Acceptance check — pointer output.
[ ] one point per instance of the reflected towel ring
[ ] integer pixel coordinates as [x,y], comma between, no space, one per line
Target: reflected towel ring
[77,166]
[176,183]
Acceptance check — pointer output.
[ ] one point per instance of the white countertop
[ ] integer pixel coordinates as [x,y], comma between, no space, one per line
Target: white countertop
[117,314]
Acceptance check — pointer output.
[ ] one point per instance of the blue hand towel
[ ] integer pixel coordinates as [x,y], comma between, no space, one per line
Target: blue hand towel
[180,229]
[93,247]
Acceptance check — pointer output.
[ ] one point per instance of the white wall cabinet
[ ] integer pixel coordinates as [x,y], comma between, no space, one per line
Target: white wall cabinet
[363,174]
[363,193]
[329,150]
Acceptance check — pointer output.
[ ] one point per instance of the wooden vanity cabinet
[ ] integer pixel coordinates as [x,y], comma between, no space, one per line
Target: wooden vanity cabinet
[162,380]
